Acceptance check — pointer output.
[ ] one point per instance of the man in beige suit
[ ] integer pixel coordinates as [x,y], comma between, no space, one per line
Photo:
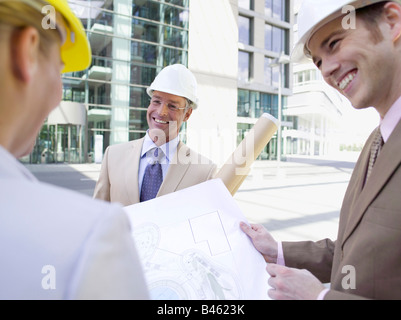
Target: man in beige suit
[123,172]
[363,62]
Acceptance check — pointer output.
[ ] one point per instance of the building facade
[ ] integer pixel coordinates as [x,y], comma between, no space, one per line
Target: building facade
[315,110]
[228,44]
[265,34]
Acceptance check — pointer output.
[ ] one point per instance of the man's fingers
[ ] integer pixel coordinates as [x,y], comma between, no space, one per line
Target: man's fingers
[277,291]
[273,269]
[247,229]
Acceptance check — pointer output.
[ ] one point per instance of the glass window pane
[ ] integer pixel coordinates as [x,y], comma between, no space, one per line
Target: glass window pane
[242,130]
[265,103]
[243,66]
[269,37]
[181,3]
[244,27]
[164,13]
[268,7]
[245,4]
[277,9]
[243,103]
[275,76]
[138,97]
[254,110]
[277,39]
[142,74]
[268,72]
[137,120]
[275,105]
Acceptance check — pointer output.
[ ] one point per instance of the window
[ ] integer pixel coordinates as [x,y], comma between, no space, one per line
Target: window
[249,104]
[252,104]
[244,66]
[246,4]
[272,74]
[276,39]
[243,103]
[277,9]
[268,72]
[245,30]
[269,104]
[306,77]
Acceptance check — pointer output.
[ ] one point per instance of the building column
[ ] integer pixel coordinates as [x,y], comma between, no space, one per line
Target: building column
[212,130]
[121,73]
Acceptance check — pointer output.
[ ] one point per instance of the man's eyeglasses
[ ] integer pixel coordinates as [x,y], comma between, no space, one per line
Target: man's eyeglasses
[156,102]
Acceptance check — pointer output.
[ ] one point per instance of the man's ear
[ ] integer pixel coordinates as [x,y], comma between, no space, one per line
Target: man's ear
[25,52]
[393,17]
[188,114]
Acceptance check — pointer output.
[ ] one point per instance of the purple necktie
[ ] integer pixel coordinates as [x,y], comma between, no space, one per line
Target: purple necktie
[152,178]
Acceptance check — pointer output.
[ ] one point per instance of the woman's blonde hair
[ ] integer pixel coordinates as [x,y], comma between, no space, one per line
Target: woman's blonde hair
[18,14]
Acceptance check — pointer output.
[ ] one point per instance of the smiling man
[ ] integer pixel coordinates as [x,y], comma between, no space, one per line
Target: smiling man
[364,64]
[159,163]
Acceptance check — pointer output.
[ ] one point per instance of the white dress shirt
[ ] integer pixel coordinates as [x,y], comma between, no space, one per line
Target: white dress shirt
[12,168]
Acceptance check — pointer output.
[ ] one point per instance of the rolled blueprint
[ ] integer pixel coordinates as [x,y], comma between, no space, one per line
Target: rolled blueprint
[238,165]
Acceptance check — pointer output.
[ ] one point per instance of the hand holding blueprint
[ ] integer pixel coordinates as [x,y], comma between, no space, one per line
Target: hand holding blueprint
[192,248]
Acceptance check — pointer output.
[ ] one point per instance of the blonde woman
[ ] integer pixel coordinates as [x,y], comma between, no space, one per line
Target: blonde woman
[54,244]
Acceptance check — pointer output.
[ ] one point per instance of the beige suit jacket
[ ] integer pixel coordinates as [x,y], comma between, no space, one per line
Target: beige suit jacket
[365,260]
[118,180]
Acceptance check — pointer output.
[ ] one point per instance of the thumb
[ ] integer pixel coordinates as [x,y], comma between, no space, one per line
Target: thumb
[275,270]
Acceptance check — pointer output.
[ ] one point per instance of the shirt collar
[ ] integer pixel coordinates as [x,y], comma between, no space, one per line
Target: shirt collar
[168,148]
[11,167]
[390,120]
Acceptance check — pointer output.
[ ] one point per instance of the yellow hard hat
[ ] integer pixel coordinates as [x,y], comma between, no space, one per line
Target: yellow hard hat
[76,52]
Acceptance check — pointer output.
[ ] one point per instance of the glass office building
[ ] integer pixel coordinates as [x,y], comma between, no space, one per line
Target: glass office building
[229,45]
[264,33]
[131,40]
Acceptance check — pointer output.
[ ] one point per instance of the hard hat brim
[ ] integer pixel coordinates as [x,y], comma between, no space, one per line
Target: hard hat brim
[149,91]
[76,52]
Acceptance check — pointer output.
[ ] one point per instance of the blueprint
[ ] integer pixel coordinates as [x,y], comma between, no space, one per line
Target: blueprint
[191,246]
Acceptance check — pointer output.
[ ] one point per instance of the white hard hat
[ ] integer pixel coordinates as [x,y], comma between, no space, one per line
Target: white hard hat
[176,79]
[314,14]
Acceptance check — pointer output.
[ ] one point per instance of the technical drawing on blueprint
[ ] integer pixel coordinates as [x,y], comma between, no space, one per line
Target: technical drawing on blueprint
[193,249]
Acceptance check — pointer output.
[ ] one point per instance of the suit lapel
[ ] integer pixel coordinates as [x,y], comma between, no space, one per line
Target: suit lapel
[176,171]
[388,161]
[131,177]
